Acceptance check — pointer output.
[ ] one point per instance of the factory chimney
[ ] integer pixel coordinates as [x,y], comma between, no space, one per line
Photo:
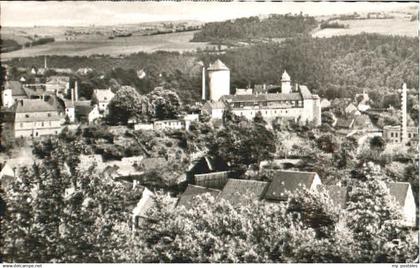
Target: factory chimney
[404,136]
[76,91]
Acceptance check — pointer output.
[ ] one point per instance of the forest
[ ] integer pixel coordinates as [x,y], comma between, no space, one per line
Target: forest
[275,26]
[331,67]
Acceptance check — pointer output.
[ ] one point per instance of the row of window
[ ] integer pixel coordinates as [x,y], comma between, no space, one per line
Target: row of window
[42,124]
[396,134]
[27,115]
[265,103]
[266,112]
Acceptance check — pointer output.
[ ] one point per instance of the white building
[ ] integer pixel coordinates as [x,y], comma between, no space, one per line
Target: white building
[102,97]
[219,80]
[404,197]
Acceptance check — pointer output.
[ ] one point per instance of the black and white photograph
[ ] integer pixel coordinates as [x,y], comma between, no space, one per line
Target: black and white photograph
[209,132]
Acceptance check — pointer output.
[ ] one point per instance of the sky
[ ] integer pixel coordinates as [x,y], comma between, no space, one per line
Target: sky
[84,13]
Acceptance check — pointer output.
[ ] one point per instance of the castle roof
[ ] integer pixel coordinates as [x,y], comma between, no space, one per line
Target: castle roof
[285,76]
[217,65]
[263,97]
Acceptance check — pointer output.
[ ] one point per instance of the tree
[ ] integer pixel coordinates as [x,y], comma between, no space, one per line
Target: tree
[375,220]
[165,103]
[328,143]
[377,143]
[127,103]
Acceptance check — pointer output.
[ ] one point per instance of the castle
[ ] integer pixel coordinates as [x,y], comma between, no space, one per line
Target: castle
[288,101]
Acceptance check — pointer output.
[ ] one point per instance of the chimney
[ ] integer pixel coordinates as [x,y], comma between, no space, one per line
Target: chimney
[45,62]
[203,83]
[404,136]
[76,91]
[72,94]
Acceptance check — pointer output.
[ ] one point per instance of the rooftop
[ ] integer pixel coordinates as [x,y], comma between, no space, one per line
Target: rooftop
[16,87]
[236,190]
[217,65]
[103,94]
[283,181]
[188,199]
[33,106]
[399,191]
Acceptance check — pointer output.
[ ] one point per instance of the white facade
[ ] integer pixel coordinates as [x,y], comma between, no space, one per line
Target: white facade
[168,124]
[7,98]
[409,209]
[219,80]
[70,114]
[141,126]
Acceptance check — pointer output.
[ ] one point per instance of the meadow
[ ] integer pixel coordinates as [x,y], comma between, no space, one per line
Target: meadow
[396,26]
[115,47]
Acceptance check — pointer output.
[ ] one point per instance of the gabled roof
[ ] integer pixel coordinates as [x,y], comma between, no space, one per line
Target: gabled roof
[58,79]
[187,199]
[344,123]
[236,191]
[285,180]
[33,106]
[399,191]
[285,76]
[306,94]
[83,109]
[217,65]
[146,203]
[104,95]
[153,163]
[215,104]
[16,87]
[351,108]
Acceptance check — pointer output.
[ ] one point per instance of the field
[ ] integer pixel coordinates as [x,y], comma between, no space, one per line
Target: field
[114,47]
[396,26]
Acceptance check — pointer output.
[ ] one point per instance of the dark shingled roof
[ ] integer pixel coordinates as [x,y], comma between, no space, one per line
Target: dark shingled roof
[83,109]
[285,180]
[399,190]
[188,200]
[235,190]
[34,105]
[16,87]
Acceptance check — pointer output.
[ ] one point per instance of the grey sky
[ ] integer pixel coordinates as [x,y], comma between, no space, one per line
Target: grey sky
[51,13]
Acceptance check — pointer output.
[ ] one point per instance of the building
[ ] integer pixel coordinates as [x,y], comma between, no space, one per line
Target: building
[58,84]
[285,181]
[392,134]
[85,112]
[169,124]
[402,134]
[404,197]
[12,91]
[35,117]
[219,80]
[293,102]
[102,97]
[242,191]
[214,109]
[188,199]
[351,109]
[325,103]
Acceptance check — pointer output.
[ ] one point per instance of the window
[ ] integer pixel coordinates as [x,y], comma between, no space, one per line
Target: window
[27,115]
[392,135]
[21,124]
[42,124]
[409,135]
[49,115]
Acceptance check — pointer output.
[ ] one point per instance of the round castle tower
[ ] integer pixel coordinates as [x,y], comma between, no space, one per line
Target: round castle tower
[219,80]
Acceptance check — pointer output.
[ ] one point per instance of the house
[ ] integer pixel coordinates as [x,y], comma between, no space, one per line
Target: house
[58,84]
[85,112]
[351,109]
[286,163]
[102,97]
[168,124]
[146,203]
[404,197]
[241,191]
[12,91]
[205,165]
[284,181]
[35,117]
[214,109]
[188,197]
[346,123]
[216,180]
[393,134]
[143,126]
[7,175]
[362,121]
